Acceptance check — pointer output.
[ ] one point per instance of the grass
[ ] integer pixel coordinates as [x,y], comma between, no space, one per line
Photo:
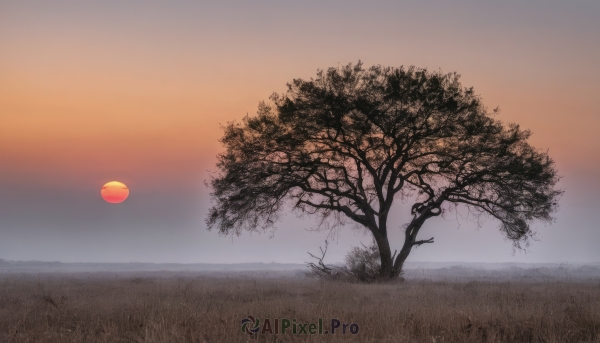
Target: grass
[202,308]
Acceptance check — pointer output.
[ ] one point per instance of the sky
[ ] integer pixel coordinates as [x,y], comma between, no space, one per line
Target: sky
[137,91]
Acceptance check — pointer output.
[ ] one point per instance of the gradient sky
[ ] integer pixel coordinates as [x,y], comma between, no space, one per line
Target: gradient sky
[136,91]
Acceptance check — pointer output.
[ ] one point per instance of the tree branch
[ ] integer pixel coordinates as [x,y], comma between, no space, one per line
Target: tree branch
[423,241]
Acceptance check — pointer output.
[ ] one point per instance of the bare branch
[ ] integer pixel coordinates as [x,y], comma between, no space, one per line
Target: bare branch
[417,243]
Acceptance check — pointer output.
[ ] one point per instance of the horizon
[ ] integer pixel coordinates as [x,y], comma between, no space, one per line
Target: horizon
[304,264]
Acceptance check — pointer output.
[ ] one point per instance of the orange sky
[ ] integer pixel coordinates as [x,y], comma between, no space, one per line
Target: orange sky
[95,92]
[86,91]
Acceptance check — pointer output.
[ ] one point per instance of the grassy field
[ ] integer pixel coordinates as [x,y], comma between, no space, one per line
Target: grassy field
[159,307]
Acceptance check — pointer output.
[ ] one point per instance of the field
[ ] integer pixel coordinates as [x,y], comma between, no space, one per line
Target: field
[209,307]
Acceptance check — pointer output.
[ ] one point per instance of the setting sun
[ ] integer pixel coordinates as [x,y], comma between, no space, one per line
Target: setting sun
[114,192]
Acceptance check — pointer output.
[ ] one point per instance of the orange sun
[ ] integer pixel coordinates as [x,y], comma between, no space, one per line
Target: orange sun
[114,192]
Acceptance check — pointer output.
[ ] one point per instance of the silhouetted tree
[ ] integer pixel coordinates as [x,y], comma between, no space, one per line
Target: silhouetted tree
[350,141]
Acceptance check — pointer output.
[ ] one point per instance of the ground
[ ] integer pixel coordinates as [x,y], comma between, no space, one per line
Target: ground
[193,307]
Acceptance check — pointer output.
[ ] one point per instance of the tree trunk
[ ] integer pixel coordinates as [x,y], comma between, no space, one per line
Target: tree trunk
[389,268]
[401,258]
[392,267]
[385,253]
[410,240]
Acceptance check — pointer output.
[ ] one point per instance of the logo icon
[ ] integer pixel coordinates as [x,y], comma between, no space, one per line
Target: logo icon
[247,325]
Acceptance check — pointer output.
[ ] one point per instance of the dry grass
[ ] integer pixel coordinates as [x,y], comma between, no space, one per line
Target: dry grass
[193,308]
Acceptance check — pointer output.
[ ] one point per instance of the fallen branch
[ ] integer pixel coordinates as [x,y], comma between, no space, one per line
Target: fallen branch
[321,269]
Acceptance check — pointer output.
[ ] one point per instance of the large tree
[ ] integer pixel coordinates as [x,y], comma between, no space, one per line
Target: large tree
[347,143]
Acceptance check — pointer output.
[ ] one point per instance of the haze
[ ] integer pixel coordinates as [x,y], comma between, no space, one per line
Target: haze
[136,92]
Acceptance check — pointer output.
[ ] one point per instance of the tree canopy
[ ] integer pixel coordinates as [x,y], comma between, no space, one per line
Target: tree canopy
[346,144]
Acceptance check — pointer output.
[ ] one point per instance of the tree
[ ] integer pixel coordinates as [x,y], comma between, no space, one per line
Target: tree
[347,143]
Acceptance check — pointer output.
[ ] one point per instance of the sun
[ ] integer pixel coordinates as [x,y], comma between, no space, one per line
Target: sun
[114,192]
